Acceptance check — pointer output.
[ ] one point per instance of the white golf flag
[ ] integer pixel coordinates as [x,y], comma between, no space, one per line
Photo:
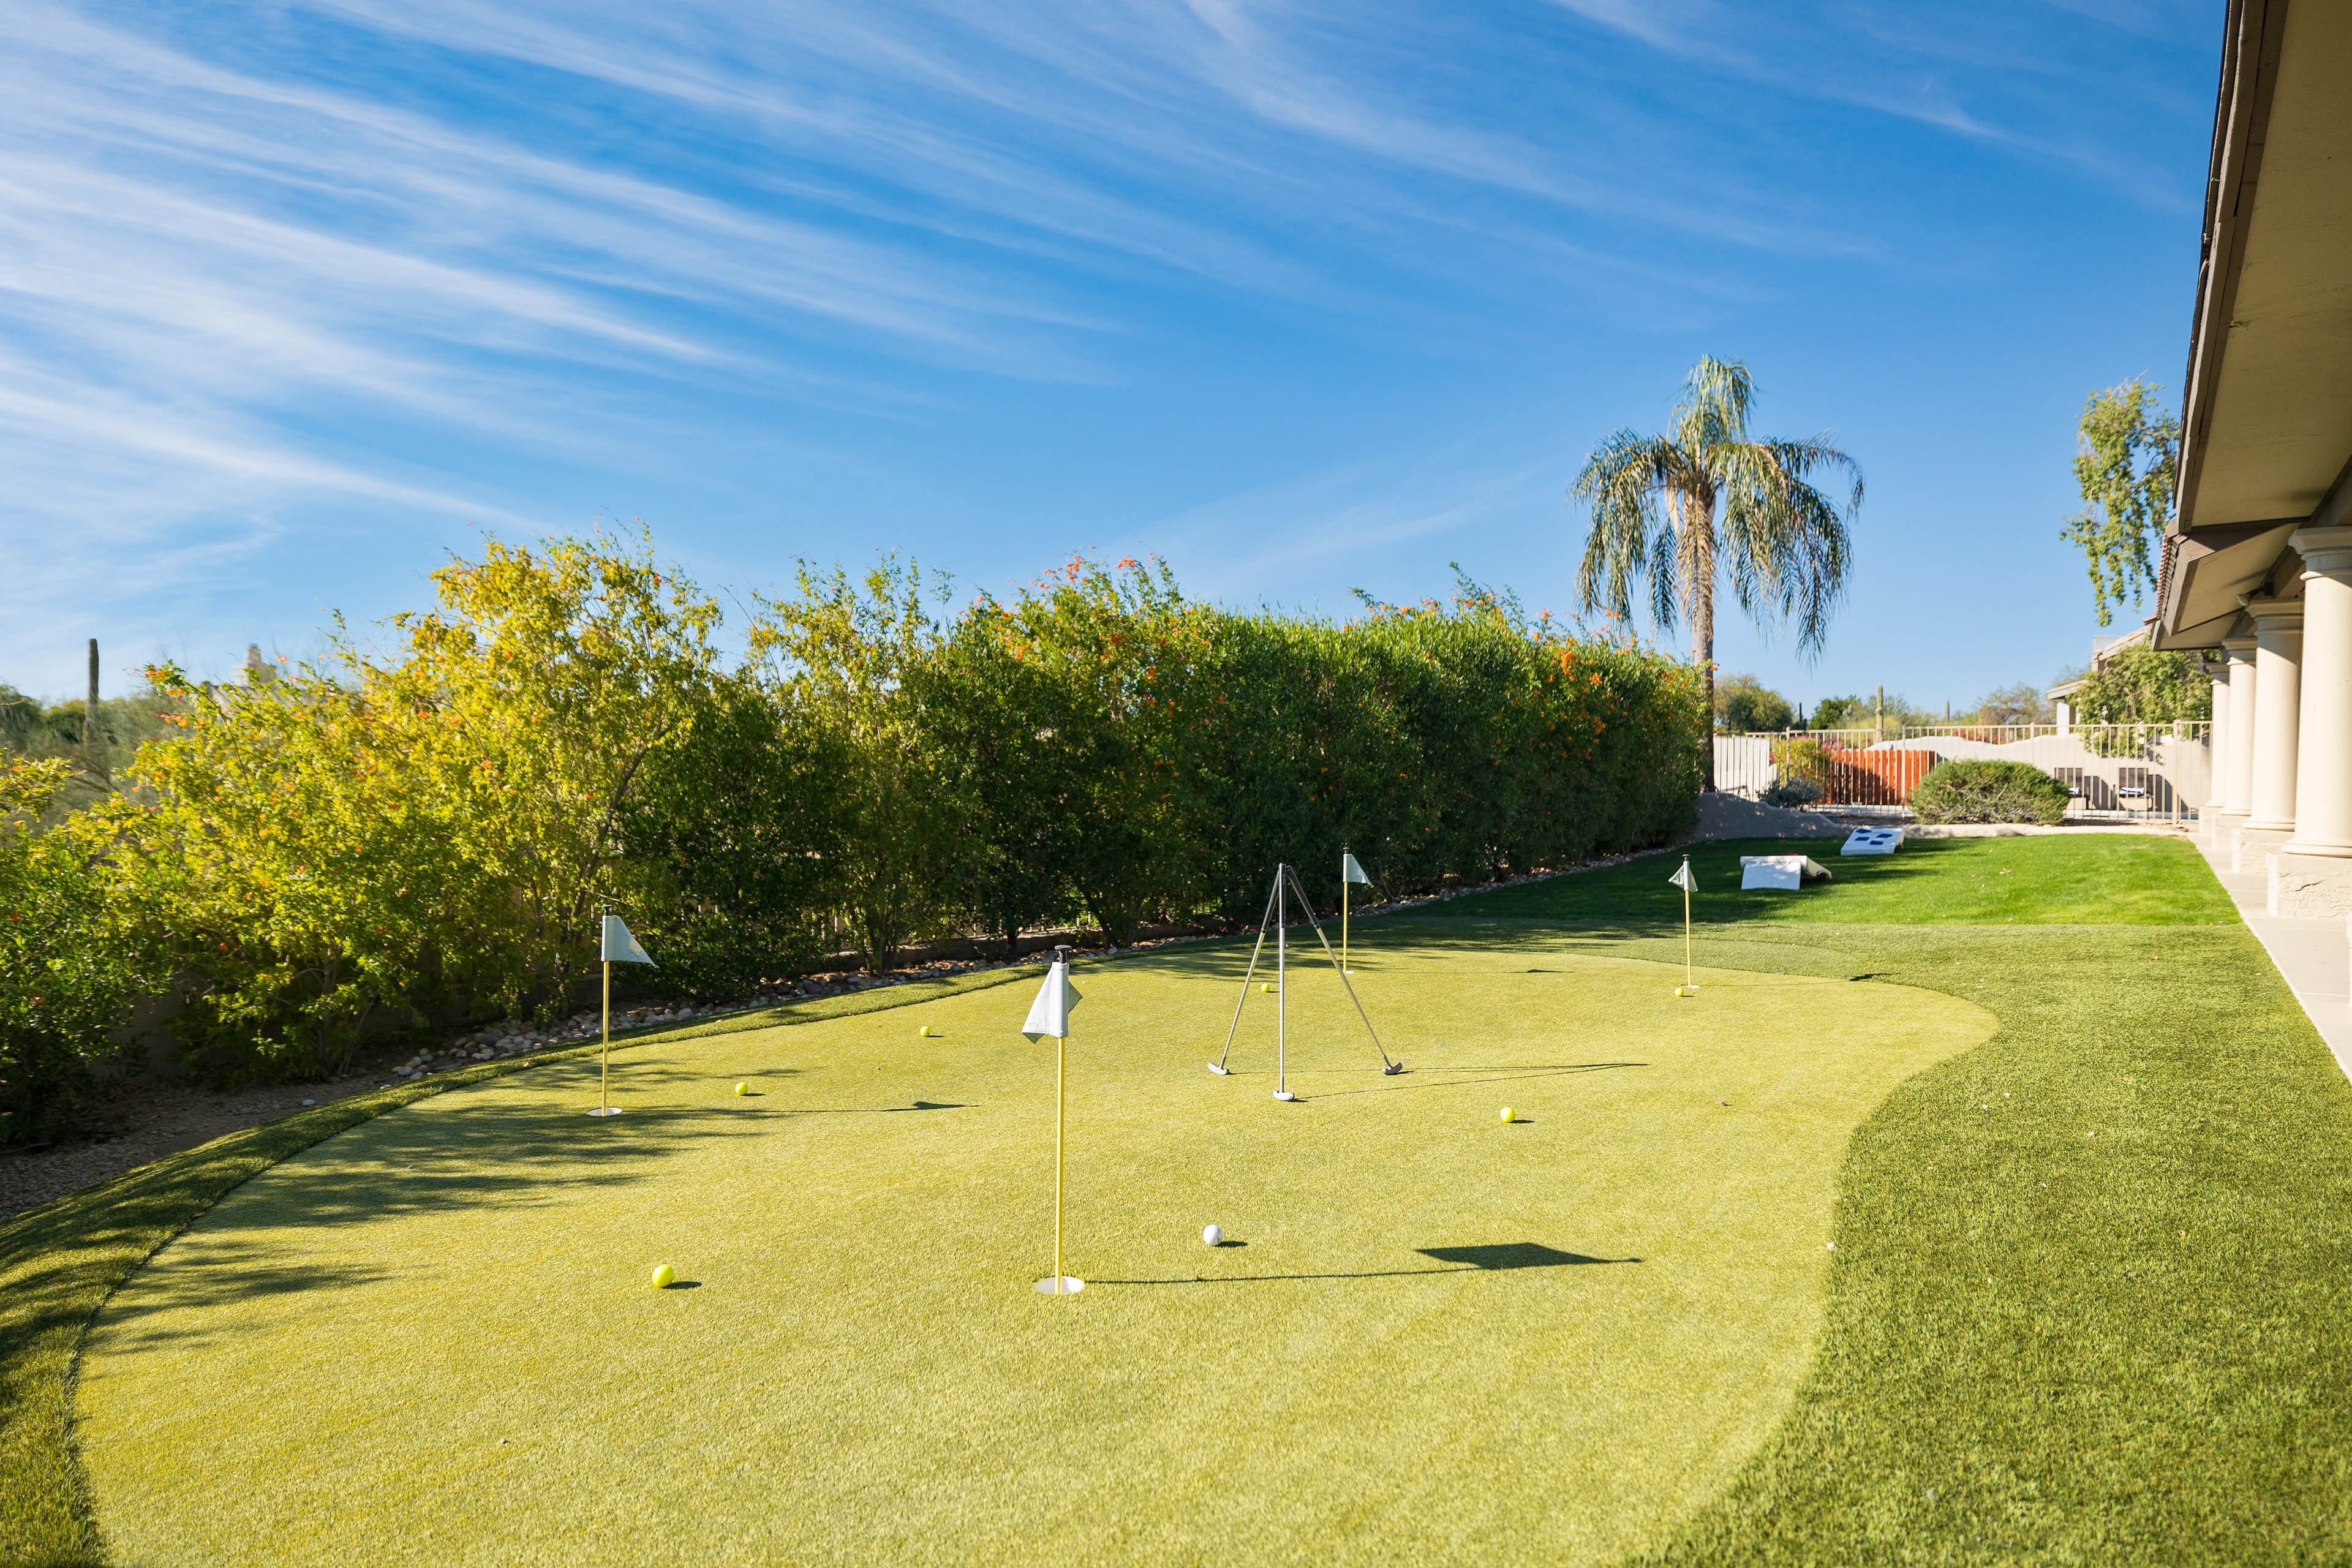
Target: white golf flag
[620,947]
[1351,872]
[1682,879]
[1050,1014]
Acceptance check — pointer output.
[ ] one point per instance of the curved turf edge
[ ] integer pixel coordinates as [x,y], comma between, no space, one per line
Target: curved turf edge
[2089,1279]
[60,1263]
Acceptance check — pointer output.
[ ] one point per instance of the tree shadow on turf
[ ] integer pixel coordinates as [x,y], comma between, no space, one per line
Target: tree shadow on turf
[248,1278]
[1487,1258]
[502,1151]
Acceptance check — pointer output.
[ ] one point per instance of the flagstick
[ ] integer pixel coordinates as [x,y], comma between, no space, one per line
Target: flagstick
[1687,981]
[1061,1062]
[1343,919]
[1051,1013]
[604,1066]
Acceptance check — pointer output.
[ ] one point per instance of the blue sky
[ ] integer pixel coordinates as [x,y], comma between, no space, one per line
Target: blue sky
[296,299]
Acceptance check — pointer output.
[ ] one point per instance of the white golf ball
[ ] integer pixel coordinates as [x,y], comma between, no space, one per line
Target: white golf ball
[1213,1237]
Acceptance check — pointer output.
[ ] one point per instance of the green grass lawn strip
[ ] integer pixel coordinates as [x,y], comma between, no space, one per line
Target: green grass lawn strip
[2087,1299]
[60,1262]
[2123,878]
[2140,1361]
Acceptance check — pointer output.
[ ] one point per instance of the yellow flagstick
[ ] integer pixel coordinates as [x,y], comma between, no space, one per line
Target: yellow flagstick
[1050,1014]
[1682,878]
[1061,1096]
[618,941]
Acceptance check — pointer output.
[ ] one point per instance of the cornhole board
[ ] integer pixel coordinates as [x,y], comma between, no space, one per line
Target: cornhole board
[1873,841]
[1778,870]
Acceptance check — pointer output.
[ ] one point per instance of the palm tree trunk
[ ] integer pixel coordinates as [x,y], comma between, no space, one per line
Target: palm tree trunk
[1698,517]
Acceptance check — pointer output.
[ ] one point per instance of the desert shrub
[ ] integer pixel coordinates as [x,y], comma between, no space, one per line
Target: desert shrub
[1987,790]
[366,842]
[72,957]
[845,660]
[1794,791]
[732,840]
[429,824]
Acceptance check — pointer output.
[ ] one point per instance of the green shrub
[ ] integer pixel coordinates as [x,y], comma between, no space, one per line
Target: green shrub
[430,824]
[70,965]
[1985,791]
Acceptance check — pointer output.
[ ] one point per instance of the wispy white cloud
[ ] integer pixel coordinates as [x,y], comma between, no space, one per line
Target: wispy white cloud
[260,267]
[1972,75]
[1344,523]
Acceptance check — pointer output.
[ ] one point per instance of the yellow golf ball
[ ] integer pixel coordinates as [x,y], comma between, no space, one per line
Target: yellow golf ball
[663,1276]
[742,1088]
[1265,987]
[924,1031]
[1509,1115]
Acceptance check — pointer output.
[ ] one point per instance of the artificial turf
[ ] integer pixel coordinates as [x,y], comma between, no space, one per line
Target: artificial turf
[2139,1361]
[1440,1333]
[2090,1277]
[2123,878]
[59,1263]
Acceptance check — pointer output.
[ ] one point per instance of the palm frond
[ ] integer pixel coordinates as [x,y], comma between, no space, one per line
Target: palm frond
[1628,540]
[1713,412]
[1786,542]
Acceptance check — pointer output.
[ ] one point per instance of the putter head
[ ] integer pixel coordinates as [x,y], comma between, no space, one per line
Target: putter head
[1219,1068]
[1393,1069]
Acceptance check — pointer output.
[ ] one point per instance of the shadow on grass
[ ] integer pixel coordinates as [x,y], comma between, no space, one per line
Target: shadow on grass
[513,1155]
[234,1274]
[1462,1260]
[1514,1255]
[61,1262]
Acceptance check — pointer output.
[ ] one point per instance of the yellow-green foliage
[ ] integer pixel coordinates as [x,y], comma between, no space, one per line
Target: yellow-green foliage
[432,825]
[68,967]
[2142,686]
[381,835]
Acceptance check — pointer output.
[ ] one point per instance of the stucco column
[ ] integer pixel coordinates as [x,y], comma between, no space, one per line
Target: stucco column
[2216,754]
[2239,801]
[2278,694]
[2311,874]
[2323,820]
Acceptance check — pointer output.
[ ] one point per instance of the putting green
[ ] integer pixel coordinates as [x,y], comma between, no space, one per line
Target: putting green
[430,1338]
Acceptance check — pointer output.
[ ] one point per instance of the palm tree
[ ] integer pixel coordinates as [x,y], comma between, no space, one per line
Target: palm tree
[1654,501]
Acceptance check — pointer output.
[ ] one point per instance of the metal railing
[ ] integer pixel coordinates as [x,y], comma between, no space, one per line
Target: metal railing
[2116,771]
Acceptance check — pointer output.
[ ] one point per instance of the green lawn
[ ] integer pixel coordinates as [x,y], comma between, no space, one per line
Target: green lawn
[2069,879]
[2089,1182]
